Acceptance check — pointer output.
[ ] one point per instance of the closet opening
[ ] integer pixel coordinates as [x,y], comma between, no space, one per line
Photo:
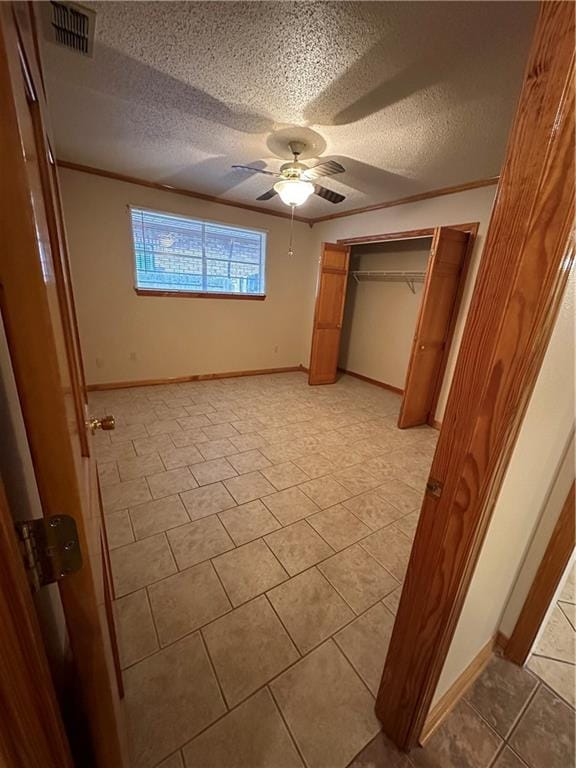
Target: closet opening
[386,308]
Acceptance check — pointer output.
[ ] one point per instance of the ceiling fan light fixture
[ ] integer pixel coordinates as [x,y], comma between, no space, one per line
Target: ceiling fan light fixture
[294,191]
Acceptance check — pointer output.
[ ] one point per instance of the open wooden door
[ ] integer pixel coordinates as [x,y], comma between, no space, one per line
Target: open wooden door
[328,314]
[439,300]
[38,314]
[32,733]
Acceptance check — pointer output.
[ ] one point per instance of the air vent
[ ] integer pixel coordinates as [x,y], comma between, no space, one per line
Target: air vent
[70,25]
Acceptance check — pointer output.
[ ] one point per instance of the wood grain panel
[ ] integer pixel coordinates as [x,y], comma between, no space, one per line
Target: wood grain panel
[328,313]
[546,581]
[31,730]
[528,253]
[435,320]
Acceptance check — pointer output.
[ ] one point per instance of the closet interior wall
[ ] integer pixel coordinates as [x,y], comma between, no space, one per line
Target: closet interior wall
[380,316]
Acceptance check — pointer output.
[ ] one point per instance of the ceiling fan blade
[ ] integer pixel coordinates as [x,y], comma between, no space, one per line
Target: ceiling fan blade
[328,194]
[254,170]
[326,168]
[267,195]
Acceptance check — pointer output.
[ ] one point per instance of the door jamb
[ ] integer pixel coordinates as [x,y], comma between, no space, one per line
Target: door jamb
[546,582]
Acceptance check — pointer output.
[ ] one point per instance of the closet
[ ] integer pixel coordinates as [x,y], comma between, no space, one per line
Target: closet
[385,310]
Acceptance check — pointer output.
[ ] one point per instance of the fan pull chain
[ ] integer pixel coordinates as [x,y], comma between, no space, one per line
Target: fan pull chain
[290,248]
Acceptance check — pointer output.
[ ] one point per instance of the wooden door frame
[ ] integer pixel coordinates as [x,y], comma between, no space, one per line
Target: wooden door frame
[471,228]
[32,733]
[547,580]
[527,257]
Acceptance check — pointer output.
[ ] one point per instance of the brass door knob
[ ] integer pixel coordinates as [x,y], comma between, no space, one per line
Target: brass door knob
[106,423]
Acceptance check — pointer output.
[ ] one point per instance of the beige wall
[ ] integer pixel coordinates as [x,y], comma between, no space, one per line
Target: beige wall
[539,541]
[127,337]
[380,317]
[474,205]
[538,454]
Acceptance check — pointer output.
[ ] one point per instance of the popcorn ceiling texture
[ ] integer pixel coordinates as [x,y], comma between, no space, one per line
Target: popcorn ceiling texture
[409,96]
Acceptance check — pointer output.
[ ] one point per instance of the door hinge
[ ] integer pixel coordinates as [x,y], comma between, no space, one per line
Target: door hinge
[434,487]
[50,548]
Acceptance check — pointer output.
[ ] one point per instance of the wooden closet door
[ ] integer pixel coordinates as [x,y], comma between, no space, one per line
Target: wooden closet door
[330,300]
[439,299]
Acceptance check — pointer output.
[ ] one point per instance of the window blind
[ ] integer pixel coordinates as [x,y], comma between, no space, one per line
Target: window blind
[175,253]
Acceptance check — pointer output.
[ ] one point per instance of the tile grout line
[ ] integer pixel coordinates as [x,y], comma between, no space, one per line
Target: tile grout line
[214,672]
[287,726]
[284,627]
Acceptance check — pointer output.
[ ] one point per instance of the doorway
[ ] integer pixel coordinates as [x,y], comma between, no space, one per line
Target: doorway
[403,335]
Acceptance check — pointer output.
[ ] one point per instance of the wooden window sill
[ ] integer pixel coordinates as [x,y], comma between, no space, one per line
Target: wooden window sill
[201,295]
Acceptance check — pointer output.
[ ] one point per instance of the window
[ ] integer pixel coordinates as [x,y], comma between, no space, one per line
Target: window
[189,256]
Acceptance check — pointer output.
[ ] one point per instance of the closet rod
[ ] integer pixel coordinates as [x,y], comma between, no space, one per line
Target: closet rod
[392,276]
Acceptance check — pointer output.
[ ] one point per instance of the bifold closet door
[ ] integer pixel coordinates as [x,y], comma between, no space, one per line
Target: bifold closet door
[330,300]
[449,247]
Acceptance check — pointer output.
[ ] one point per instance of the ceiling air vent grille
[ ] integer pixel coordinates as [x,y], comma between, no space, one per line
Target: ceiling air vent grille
[71,26]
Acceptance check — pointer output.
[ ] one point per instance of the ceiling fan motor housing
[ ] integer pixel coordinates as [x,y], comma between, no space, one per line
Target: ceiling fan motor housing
[293,170]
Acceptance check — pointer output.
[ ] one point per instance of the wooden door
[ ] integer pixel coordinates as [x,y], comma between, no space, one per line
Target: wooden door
[328,314]
[439,300]
[31,732]
[37,311]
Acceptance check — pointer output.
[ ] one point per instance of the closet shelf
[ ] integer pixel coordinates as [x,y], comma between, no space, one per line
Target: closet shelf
[391,276]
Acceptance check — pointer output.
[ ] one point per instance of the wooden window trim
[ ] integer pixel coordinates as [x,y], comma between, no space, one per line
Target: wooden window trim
[200,294]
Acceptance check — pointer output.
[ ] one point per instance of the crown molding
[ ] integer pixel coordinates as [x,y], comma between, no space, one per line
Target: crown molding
[279,214]
[440,192]
[176,190]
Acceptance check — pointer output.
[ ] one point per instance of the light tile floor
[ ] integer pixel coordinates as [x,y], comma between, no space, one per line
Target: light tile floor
[259,532]
[256,525]
[554,657]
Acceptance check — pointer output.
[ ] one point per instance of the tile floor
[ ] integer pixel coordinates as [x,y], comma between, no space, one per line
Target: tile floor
[259,533]
[554,657]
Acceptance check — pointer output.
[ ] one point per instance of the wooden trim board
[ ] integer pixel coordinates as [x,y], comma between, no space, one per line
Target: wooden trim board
[452,696]
[176,190]
[545,584]
[376,383]
[408,234]
[493,180]
[528,255]
[267,211]
[472,230]
[194,377]
[199,295]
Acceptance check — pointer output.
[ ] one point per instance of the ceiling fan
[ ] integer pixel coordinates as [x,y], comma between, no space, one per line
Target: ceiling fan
[296,179]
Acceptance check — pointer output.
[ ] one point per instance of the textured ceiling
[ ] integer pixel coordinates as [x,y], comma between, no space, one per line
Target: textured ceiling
[408,96]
